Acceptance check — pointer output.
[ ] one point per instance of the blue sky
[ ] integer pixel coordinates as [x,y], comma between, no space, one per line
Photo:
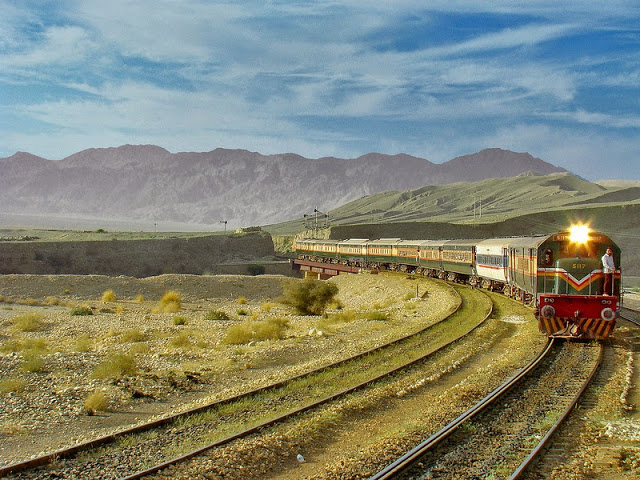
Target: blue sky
[436,79]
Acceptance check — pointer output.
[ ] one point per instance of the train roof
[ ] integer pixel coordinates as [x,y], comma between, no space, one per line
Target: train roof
[385,241]
[460,243]
[422,243]
[354,241]
[493,242]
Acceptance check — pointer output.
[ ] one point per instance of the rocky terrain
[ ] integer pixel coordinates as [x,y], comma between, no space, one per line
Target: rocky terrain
[48,370]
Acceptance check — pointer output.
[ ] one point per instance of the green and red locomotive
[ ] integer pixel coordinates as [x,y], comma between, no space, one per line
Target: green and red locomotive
[560,275]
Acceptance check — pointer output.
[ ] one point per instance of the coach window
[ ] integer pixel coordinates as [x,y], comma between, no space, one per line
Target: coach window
[547,258]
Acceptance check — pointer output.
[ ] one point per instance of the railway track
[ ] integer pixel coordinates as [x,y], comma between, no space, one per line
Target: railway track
[116,455]
[631,315]
[504,440]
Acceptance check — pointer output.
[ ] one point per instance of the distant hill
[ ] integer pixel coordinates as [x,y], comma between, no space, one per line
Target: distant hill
[148,184]
[487,201]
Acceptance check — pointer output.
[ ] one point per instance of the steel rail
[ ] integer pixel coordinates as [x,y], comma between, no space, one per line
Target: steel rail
[545,440]
[406,460]
[194,453]
[68,452]
[629,319]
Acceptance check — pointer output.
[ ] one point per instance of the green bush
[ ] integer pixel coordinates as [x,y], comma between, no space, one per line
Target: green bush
[216,315]
[179,320]
[81,310]
[309,296]
[271,329]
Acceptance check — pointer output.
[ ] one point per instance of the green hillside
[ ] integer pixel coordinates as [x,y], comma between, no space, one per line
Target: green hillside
[522,205]
[488,201]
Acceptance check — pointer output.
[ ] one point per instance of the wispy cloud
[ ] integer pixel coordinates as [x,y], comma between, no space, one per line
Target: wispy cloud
[318,78]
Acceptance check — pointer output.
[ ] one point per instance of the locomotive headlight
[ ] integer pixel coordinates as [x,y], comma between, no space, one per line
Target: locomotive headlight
[608,314]
[547,311]
[579,233]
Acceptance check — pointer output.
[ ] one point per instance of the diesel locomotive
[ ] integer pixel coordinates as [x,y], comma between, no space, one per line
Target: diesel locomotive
[560,275]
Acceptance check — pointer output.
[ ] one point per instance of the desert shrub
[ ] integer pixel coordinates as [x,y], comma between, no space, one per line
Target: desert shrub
[109,296]
[81,310]
[271,329]
[170,303]
[242,300]
[115,366]
[52,301]
[242,312]
[179,320]
[132,335]
[95,402]
[28,322]
[12,385]
[256,269]
[139,298]
[28,301]
[376,315]
[216,315]
[309,296]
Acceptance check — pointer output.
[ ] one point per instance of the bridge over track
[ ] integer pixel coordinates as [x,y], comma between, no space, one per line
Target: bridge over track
[322,270]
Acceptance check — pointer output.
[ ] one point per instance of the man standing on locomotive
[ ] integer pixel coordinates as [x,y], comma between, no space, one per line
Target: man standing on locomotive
[608,268]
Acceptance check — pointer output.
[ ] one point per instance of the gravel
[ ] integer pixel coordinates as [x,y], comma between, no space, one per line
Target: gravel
[47,412]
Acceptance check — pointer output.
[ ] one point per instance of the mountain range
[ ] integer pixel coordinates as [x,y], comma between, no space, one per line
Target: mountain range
[146,183]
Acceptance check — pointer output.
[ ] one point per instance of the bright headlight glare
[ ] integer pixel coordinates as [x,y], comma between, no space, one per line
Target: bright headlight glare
[579,233]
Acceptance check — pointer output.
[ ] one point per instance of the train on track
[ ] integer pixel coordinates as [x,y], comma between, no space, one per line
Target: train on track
[560,274]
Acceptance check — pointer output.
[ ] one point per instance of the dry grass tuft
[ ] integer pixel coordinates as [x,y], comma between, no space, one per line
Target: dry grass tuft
[132,335]
[170,303]
[271,329]
[116,366]
[109,296]
[84,343]
[12,385]
[96,402]
[29,322]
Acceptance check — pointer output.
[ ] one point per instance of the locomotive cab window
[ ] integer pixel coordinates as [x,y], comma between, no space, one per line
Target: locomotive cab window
[546,260]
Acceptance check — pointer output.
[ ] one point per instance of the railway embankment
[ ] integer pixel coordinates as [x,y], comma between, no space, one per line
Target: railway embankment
[210,254]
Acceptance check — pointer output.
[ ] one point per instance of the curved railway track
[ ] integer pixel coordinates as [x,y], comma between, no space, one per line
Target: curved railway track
[499,441]
[411,344]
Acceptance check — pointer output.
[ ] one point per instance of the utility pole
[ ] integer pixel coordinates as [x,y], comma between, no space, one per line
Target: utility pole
[225,225]
[311,221]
